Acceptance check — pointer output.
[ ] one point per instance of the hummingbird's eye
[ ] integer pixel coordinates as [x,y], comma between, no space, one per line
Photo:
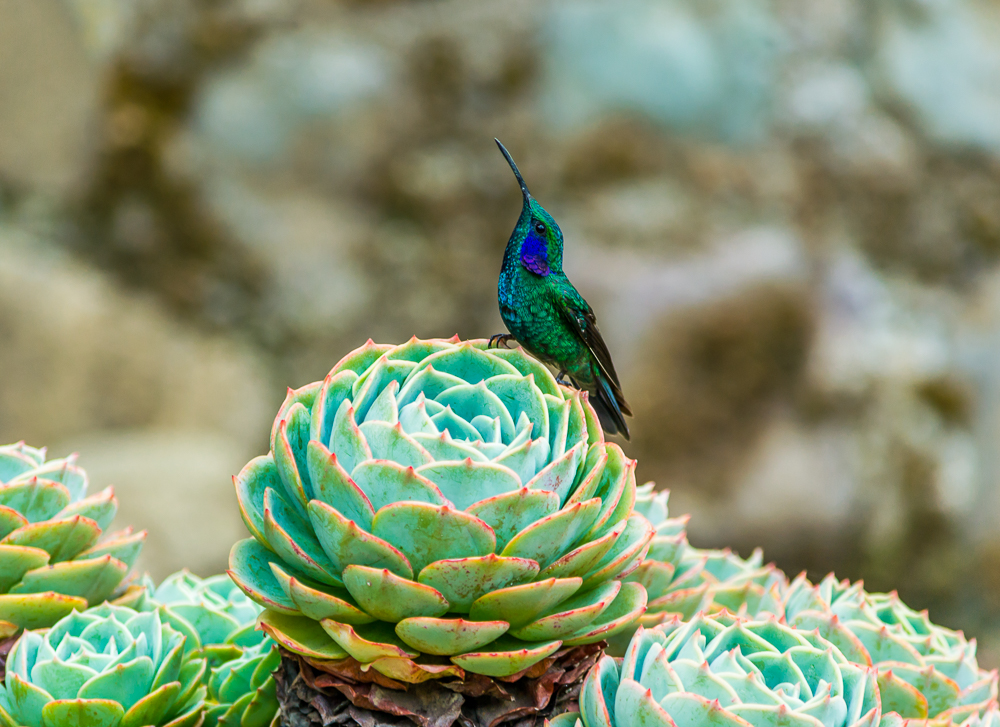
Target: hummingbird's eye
[539,228]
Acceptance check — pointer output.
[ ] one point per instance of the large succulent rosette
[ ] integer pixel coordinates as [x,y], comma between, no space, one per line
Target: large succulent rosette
[924,670]
[108,666]
[54,554]
[728,671]
[437,507]
[681,580]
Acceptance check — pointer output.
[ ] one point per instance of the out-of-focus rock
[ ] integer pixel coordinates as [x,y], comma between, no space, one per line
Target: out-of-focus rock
[941,58]
[309,245]
[802,477]
[832,101]
[637,291]
[48,97]
[821,28]
[258,112]
[821,95]
[978,351]
[695,67]
[708,381]
[871,330]
[875,150]
[79,354]
[103,26]
[649,214]
[175,483]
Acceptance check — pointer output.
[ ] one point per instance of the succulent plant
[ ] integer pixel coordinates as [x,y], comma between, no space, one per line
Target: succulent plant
[924,670]
[241,691]
[728,671]
[683,580]
[108,666]
[439,498]
[211,612]
[54,554]
[219,621]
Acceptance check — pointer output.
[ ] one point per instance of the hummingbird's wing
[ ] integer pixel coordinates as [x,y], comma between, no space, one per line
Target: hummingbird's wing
[581,319]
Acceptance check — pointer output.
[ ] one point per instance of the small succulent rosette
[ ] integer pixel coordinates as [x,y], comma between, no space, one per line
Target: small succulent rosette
[54,554]
[212,613]
[219,622]
[439,499]
[924,670]
[728,671]
[682,580]
[242,691]
[108,666]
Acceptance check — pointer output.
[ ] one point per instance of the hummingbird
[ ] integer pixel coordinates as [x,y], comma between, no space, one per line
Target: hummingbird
[547,315]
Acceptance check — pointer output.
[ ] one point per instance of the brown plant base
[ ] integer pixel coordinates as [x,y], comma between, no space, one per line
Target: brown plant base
[5,646]
[313,693]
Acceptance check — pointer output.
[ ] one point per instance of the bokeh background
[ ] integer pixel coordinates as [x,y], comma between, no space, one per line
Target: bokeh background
[786,213]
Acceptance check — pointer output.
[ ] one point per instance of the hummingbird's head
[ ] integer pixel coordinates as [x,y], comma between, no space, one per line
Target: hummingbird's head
[536,234]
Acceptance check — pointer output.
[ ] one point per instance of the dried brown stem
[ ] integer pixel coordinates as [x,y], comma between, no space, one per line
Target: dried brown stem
[314,692]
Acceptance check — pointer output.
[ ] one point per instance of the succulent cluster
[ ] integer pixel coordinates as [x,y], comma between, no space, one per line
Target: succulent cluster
[838,656]
[441,510]
[924,670]
[439,498]
[108,666]
[921,670]
[54,554]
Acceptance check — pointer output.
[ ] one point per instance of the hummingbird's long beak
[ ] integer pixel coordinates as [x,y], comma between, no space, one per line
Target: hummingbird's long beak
[513,166]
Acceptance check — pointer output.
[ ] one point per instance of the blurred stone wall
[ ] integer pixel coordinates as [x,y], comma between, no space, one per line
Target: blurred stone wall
[786,214]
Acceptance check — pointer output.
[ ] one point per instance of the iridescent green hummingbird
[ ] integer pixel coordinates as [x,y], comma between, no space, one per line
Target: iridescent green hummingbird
[549,317]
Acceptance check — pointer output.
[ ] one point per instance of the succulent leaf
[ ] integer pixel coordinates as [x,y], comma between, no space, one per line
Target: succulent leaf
[447,636]
[464,580]
[506,656]
[520,605]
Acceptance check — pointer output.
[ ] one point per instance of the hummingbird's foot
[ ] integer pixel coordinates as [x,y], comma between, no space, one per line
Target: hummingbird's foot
[499,339]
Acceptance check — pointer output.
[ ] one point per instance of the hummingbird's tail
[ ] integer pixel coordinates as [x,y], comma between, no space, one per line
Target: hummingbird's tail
[609,403]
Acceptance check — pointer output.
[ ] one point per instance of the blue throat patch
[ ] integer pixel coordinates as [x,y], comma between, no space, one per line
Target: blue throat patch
[534,255]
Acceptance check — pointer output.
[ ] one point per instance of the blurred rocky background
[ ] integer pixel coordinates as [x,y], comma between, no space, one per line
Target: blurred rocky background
[786,213]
